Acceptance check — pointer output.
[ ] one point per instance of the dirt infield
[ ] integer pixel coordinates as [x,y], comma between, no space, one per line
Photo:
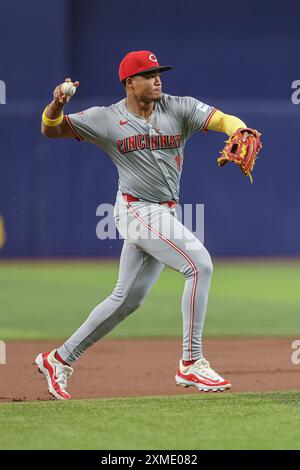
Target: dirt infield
[126,368]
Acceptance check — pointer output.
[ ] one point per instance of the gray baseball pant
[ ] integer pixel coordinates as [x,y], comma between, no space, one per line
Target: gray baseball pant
[153,237]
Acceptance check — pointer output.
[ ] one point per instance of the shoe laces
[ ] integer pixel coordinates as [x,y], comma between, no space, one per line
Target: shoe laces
[63,373]
[203,366]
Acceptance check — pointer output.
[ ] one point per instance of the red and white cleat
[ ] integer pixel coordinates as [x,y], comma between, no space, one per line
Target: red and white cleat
[201,376]
[56,373]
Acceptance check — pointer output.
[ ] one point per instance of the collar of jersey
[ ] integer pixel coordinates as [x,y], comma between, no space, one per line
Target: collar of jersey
[129,113]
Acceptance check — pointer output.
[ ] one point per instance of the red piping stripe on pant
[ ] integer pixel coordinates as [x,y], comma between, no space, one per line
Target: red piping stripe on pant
[192,303]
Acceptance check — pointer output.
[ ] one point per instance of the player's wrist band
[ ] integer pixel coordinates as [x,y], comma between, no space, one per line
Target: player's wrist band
[52,122]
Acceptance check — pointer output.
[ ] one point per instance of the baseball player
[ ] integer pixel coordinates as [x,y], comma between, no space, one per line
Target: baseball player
[145,134]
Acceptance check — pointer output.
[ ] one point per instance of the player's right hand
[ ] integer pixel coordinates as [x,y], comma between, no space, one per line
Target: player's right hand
[59,97]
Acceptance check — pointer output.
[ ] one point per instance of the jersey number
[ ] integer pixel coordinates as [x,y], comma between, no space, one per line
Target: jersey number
[178,160]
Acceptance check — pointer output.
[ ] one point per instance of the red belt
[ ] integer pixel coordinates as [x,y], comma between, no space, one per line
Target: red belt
[130,198]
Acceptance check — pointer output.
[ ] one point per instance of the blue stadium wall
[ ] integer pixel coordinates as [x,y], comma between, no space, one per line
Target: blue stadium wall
[242,63]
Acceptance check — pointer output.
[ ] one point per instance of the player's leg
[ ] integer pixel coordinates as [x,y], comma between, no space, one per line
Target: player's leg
[164,237]
[137,273]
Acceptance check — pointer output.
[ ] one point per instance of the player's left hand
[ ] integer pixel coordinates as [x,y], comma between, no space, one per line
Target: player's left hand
[242,149]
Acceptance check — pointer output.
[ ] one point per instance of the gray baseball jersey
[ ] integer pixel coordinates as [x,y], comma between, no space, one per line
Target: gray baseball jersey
[148,154]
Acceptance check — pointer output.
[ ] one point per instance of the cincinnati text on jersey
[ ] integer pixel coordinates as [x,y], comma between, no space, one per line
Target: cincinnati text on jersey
[152,142]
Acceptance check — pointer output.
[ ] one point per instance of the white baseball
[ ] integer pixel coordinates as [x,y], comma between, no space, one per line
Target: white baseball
[68,88]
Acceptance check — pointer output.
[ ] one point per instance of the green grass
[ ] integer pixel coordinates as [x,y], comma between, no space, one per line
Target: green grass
[50,300]
[229,421]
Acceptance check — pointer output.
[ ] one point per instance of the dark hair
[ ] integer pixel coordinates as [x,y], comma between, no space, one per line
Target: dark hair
[124,82]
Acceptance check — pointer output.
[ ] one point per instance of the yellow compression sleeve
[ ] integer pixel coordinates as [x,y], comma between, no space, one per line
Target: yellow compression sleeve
[226,123]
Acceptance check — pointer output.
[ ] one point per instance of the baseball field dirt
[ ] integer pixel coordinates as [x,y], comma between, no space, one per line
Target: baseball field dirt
[146,367]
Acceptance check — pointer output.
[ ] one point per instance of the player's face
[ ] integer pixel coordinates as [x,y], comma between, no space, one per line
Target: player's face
[147,87]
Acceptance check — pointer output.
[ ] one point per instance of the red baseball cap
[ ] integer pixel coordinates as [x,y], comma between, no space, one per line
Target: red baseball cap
[137,62]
